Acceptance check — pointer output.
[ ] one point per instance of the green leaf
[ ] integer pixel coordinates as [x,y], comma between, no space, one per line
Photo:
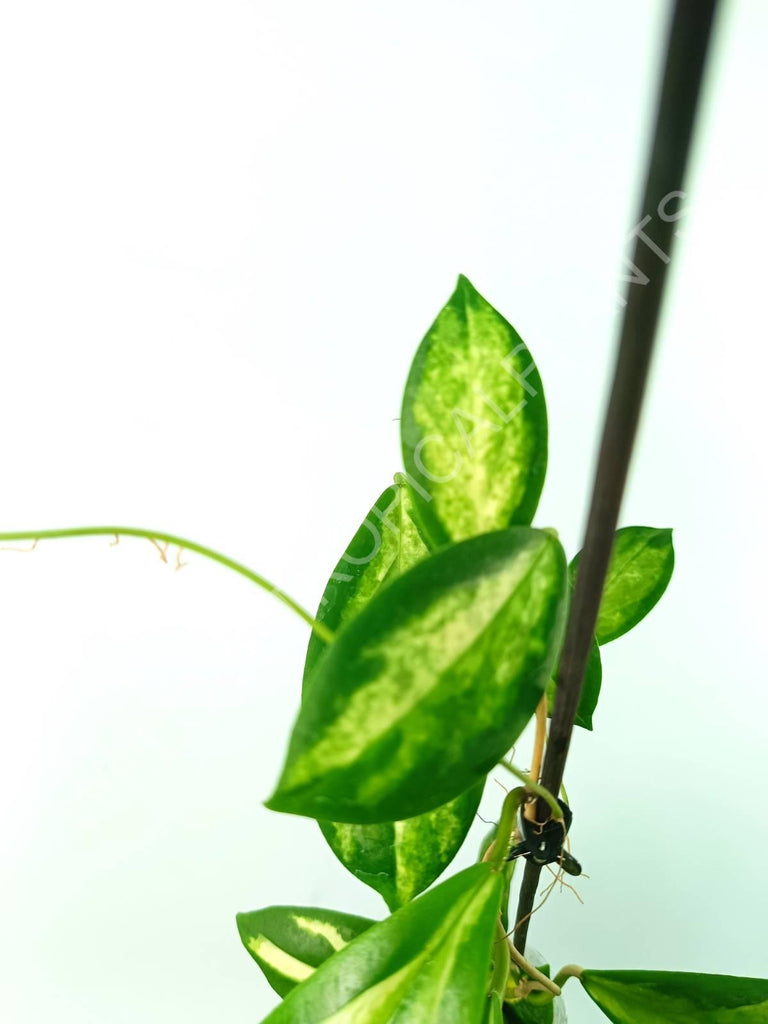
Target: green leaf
[428,962]
[640,569]
[527,1011]
[387,543]
[397,859]
[590,690]
[664,997]
[474,423]
[400,859]
[425,690]
[289,943]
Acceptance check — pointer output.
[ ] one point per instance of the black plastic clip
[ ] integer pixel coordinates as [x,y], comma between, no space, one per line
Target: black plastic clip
[543,844]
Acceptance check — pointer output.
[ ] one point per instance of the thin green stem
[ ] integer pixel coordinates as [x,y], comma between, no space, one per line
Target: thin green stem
[500,975]
[540,998]
[187,545]
[497,853]
[569,971]
[536,788]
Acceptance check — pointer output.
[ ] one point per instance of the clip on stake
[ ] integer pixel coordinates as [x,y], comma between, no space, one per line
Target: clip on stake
[543,844]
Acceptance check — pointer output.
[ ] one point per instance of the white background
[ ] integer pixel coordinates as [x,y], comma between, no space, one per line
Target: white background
[225,228]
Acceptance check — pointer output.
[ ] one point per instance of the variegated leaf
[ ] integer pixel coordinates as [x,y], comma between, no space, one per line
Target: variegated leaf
[290,943]
[400,859]
[474,423]
[428,962]
[422,693]
[641,566]
[387,543]
[666,997]
[397,859]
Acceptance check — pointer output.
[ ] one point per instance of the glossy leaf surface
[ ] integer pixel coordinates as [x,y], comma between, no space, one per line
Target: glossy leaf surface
[665,997]
[640,569]
[425,690]
[428,962]
[397,859]
[289,943]
[474,423]
[400,859]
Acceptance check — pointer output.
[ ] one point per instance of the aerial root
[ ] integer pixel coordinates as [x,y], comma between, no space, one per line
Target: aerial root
[559,876]
[546,893]
[162,548]
[21,551]
[179,563]
[485,821]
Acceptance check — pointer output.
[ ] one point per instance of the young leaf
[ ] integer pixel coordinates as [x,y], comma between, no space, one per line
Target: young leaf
[640,569]
[289,943]
[397,859]
[664,997]
[474,423]
[400,859]
[590,690]
[387,543]
[423,692]
[526,1011]
[428,962]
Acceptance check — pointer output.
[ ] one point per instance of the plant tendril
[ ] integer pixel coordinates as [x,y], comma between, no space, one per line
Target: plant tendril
[162,541]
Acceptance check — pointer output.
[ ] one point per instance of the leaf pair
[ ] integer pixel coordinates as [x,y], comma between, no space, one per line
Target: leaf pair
[291,943]
[474,390]
[494,413]
[428,962]
[398,859]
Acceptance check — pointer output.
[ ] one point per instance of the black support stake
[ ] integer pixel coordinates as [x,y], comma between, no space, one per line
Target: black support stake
[689,37]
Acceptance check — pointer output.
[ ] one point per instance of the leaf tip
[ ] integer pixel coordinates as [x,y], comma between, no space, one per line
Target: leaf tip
[274,802]
[465,289]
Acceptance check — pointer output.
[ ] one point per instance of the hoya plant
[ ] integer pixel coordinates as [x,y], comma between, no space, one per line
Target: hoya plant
[448,625]
[436,642]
